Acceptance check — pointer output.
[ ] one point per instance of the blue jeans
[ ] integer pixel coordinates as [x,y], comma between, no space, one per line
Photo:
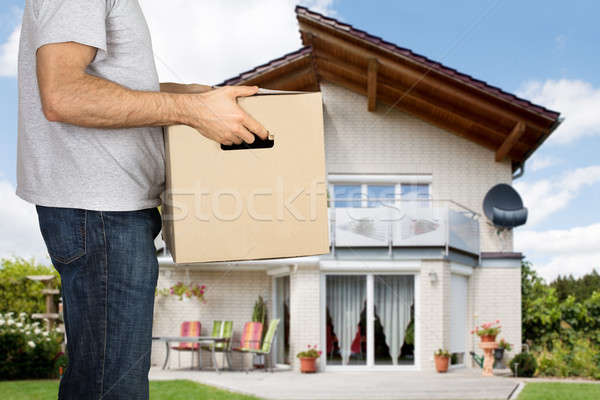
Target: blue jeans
[108,269]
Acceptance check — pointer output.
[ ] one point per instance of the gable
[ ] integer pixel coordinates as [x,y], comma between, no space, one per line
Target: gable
[390,76]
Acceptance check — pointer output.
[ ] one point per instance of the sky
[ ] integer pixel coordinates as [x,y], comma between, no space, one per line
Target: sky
[545,51]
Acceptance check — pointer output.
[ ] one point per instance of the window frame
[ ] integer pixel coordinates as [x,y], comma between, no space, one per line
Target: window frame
[377,180]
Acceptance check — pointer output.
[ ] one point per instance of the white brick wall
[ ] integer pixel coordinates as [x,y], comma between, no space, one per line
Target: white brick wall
[495,293]
[305,310]
[395,142]
[435,310]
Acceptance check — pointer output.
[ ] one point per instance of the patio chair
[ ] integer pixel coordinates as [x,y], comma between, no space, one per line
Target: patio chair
[221,329]
[267,345]
[188,328]
[250,336]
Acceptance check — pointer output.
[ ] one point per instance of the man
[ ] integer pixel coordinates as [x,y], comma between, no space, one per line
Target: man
[91,157]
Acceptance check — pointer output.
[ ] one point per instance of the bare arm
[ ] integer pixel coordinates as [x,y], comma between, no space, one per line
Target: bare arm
[70,95]
[169,87]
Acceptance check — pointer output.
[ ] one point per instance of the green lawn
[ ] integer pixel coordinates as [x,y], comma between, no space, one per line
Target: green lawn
[560,391]
[186,390]
[159,390]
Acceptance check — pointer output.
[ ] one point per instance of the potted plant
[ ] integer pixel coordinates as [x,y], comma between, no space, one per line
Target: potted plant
[488,331]
[308,359]
[503,345]
[442,360]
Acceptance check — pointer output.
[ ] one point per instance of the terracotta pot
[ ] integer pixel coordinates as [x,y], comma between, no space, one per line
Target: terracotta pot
[441,363]
[308,364]
[488,338]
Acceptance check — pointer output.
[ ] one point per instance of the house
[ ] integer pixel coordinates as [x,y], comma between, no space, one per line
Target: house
[405,137]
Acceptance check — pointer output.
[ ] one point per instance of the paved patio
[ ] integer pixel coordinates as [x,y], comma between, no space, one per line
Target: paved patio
[460,384]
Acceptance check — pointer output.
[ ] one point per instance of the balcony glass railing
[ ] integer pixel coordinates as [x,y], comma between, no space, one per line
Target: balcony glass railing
[403,223]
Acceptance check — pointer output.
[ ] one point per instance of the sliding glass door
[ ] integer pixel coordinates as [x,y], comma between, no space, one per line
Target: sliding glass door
[281,310]
[346,320]
[369,320]
[394,315]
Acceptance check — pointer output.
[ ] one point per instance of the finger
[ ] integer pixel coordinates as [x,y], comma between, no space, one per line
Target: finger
[226,142]
[244,134]
[243,91]
[254,126]
[236,139]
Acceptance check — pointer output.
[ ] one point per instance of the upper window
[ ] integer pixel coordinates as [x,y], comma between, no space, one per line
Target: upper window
[347,195]
[357,195]
[412,191]
[378,195]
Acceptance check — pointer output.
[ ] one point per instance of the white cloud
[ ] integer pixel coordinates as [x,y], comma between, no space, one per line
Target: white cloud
[546,196]
[537,163]
[9,51]
[578,101]
[207,42]
[19,228]
[570,251]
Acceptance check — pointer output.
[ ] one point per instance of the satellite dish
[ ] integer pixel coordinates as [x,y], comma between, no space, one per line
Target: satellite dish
[504,207]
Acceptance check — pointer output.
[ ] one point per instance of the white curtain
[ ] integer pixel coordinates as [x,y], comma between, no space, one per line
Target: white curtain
[346,295]
[394,296]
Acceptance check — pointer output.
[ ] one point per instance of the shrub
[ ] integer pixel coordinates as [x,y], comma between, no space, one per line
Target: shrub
[26,350]
[527,364]
[582,358]
[19,293]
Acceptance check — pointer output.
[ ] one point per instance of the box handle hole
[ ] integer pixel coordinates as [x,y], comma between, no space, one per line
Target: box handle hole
[258,143]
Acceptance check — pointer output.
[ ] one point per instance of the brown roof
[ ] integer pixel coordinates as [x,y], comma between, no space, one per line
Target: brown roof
[404,52]
[471,108]
[269,65]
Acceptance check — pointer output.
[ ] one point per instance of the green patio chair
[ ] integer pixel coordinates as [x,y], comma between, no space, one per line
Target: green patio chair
[267,345]
[221,329]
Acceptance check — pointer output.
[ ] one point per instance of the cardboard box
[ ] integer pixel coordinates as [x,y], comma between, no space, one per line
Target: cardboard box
[224,204]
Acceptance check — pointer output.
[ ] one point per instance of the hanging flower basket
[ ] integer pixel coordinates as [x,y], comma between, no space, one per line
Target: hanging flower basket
[183,291]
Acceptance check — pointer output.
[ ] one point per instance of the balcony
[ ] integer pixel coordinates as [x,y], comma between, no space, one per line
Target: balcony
[403,223]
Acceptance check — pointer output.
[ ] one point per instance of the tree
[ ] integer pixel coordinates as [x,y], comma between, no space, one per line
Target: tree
[582,288]
[19,294]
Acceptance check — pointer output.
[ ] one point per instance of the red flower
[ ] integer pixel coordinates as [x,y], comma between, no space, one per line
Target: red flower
[308,346]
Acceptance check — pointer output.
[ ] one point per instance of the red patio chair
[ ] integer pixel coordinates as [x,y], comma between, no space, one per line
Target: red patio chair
[188,328]
[251,337]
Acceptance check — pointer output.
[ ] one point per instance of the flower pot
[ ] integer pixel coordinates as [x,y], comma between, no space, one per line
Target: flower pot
[441,363]
[308,365]
[488,338]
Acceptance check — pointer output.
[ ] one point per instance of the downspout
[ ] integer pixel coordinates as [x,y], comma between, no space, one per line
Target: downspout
[520,171]
[521,167]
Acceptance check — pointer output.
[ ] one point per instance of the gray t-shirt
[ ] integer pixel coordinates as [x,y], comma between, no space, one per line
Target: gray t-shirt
[62,165]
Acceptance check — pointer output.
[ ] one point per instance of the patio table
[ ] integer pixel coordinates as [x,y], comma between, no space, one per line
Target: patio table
[208,340]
